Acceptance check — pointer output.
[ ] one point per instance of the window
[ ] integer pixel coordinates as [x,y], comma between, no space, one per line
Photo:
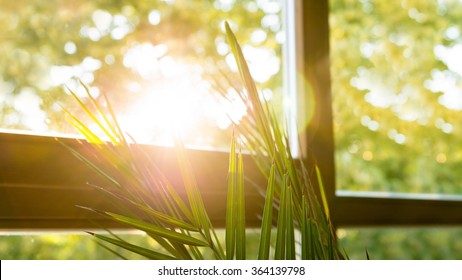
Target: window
[35,166]
[155,61]
[395,91]
[106,46]
[409,105]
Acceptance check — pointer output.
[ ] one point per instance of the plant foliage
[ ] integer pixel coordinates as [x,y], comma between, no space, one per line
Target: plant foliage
[147,201]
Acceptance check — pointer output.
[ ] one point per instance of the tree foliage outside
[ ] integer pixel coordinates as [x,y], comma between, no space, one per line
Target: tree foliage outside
[395,82]
[153,58]
[59,247]
[405,243]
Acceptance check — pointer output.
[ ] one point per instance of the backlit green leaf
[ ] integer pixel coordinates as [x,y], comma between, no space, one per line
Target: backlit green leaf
[162,232]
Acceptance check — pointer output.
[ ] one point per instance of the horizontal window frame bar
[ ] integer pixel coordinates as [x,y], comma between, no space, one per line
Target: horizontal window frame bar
[41,182]
[353,211]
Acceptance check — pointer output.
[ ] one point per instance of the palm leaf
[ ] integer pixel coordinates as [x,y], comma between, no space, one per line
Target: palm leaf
[230,236]
[323,193]
[148,201]
[240,211]
[298,203]
[197,205]
[290,229]
[267,220]
[158,231]
[281,232]
[150,254]
[235,211]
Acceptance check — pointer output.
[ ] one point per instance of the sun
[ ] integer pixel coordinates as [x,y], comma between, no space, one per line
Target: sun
[177,101]
[163,112]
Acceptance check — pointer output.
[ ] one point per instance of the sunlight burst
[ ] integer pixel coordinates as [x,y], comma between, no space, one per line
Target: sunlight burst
[174,99]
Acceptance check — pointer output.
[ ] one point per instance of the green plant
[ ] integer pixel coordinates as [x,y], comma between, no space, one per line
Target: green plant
[182,229]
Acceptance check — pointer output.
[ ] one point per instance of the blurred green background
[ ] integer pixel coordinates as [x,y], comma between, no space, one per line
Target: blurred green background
[396,79]
[439,243]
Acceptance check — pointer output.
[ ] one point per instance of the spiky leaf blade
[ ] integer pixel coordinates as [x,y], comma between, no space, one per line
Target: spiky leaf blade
[134,248]
[240,211]
[267,220]
[156,230]
[230,237]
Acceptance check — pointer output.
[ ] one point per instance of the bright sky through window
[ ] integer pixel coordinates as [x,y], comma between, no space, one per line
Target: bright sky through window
[155,62]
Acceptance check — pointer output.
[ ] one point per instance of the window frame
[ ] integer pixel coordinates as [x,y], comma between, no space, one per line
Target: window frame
[357,209]
[34,169]
[34,173]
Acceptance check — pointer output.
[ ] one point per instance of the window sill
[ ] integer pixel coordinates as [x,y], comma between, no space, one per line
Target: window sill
[41,183]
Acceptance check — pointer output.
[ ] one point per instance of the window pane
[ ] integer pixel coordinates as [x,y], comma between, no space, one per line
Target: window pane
[396,82]
[402,243]
[154,59]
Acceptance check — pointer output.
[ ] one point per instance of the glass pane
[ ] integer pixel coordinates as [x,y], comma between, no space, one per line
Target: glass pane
[402,243]
[397,90]
[154,59]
